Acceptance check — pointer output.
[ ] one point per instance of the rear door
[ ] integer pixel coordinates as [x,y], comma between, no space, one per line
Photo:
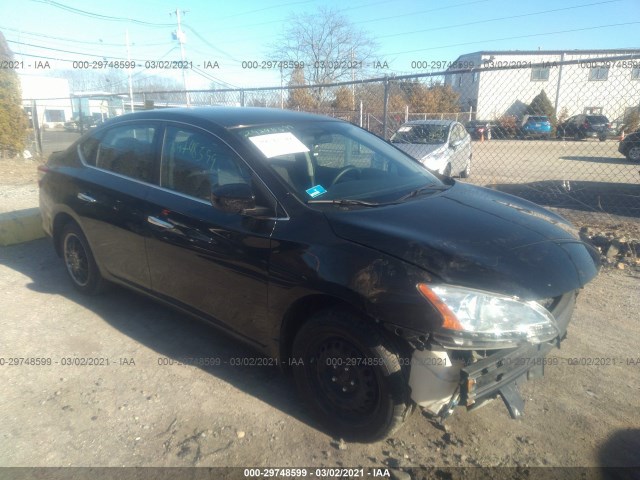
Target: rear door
[207,261]
[109,197]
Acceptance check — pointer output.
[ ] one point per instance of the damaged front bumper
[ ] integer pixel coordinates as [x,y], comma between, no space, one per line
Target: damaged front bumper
[441,379]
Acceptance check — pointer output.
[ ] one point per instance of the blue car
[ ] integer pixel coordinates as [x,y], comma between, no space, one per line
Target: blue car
[535,126]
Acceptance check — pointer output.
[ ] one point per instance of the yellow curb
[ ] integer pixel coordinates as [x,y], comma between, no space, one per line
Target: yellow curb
[20,226]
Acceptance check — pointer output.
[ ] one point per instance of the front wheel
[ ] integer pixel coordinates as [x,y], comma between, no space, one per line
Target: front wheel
[467,171]
[633,153]
[350,376]
[78,258]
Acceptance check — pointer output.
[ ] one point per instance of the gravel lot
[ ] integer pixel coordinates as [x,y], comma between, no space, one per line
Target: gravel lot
[136,411]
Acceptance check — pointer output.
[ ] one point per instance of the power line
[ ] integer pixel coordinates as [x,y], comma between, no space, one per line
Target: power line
[515,37]
[73,40]
[69,51]
[99,16]
[510,17]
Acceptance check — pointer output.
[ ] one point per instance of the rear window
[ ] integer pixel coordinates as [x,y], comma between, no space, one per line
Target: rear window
[538,119]
[597,119]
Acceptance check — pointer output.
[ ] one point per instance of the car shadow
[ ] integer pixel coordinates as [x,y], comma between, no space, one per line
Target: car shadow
[605,197]
[169,333]
[618,456]
[609,160]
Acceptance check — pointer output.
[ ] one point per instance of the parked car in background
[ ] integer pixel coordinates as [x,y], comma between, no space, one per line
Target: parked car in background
[76,124]
[535,126]
[378,284]
[584,126]
[478,129]
[443,146]
[630,146]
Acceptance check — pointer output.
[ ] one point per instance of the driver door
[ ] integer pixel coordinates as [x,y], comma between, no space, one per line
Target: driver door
[209,262]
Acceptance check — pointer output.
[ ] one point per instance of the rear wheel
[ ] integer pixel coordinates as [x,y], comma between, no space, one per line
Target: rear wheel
[350,376]
[78,258]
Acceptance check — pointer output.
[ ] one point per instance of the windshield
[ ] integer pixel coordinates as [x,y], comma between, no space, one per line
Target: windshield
[430,134]
[337,161]
[537,119]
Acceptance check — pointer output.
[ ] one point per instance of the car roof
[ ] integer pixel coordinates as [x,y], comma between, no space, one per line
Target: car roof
[226,117]
[430,122]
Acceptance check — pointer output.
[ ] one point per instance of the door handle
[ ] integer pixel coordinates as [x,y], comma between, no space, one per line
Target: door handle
[160,223]
[86,198]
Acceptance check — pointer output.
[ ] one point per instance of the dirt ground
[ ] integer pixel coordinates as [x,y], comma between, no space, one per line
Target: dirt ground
[138,411]
[142,409]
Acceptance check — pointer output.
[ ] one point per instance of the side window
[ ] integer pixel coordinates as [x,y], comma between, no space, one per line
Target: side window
[456,134]
[128,150]
[89,150]
[194,161]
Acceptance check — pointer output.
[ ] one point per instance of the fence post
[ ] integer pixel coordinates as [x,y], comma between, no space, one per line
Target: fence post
[385,106]
[360,113]
[242,98]
[36,127]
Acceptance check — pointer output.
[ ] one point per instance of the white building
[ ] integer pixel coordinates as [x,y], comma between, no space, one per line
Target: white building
[52,99]
[597,82]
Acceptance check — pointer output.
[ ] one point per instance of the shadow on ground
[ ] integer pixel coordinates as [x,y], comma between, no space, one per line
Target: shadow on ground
[612,198]
[621,448]
[160,328]
[608,160]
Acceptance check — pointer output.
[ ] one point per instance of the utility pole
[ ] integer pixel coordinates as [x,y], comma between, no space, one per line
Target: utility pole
[181,39]
[129,71]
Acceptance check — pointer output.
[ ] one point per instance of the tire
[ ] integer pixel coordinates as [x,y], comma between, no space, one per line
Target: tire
[79,261]
[350,377]
[633,153]
[577,137]
[467,171]
[602,139]
[447,170]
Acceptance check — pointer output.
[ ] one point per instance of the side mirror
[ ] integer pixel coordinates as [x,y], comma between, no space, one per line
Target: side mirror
[455,144]
[233,197]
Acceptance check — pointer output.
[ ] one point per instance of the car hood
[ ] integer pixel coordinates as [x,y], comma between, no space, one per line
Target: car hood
[419,150]
[476,237]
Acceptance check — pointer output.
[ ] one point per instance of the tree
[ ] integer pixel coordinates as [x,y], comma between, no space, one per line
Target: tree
[433,99]
[343,99]
[541,105]
[330,46]
[13,121]
[299,98]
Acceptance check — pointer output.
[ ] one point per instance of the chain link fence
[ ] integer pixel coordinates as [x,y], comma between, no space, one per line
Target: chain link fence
[536,126]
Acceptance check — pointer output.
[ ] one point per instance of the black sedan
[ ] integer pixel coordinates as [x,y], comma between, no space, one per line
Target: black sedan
[630,146]
[377,283]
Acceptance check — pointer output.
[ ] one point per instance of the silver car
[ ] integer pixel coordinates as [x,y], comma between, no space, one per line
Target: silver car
[443,146]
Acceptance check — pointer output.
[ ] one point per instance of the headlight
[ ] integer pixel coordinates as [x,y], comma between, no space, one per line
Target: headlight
[475,319]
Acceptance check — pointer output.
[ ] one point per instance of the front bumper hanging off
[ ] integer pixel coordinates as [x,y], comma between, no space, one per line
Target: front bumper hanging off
[439,383]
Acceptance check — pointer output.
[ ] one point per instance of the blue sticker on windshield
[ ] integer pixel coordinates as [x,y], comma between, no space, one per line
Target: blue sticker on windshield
[316,191]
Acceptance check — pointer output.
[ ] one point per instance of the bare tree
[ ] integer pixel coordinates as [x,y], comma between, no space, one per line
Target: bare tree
[330,46]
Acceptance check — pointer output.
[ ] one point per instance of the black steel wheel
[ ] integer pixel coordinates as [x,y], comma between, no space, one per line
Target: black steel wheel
[79,261]
[350,376]
[633,153]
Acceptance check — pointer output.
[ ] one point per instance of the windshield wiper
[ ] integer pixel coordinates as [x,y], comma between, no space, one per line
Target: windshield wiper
[346,201]
[432,187]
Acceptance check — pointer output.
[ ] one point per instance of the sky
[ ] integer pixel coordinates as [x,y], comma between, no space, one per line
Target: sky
[231,33]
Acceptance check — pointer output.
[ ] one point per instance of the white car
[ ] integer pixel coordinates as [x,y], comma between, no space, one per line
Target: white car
[443,146]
